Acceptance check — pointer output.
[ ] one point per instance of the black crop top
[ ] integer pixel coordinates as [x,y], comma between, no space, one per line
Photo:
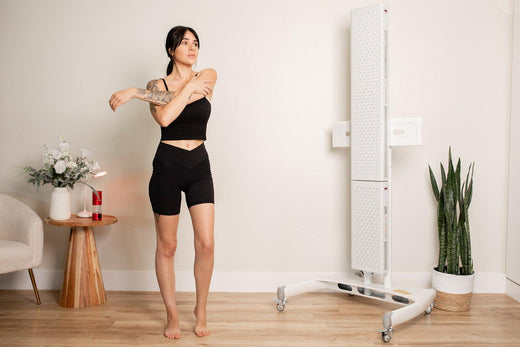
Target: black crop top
[190,124]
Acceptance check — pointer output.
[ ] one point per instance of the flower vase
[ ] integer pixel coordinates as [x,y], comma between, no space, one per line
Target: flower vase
[60,204]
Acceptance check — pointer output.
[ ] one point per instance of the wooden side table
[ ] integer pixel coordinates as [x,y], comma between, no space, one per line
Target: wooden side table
[82,280]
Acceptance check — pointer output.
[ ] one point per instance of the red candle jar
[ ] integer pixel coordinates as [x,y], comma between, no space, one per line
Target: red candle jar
[96,205]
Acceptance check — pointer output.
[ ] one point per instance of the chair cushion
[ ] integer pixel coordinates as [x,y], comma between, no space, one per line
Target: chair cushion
[14,256]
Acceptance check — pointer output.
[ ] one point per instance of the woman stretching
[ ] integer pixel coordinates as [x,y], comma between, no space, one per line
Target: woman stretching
[180,103]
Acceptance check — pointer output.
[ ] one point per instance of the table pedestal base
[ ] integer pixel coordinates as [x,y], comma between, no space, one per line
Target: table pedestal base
[82,281]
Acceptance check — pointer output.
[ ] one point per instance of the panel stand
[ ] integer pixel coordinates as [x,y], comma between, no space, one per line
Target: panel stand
[414,301]
[371,168]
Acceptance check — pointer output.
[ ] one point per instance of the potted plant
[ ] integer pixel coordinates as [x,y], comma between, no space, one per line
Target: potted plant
[61,171]
[453,277]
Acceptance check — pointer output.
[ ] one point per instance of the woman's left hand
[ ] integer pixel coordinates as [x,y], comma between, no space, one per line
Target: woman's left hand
[120,97]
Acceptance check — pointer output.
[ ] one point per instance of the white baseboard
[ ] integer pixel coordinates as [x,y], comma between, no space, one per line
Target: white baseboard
[513,289]
[258,282]
[488,282]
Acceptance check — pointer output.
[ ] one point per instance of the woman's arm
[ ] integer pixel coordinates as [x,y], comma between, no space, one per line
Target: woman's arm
[166,114]
[150,94]
[157,97]
[166,106]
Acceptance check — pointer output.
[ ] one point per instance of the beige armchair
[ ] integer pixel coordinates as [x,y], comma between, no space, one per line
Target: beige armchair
[21,238]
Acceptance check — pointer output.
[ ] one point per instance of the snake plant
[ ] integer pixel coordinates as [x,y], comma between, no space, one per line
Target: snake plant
[453,219]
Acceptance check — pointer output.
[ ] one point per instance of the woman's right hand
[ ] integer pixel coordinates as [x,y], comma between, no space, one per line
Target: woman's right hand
[200,86]
[121,97]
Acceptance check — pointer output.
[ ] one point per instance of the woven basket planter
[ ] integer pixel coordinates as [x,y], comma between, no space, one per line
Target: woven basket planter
[453,291]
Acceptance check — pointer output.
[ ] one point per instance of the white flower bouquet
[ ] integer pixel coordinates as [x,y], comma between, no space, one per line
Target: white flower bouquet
[61,170]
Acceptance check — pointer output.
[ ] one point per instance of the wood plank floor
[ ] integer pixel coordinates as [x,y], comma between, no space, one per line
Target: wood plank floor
[250,319]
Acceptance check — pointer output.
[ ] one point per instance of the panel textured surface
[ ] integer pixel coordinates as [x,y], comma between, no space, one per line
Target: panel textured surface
[367,234]
[367,94]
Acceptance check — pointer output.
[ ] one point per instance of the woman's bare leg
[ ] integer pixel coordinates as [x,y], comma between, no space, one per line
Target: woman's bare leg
[203,219]
[166,228]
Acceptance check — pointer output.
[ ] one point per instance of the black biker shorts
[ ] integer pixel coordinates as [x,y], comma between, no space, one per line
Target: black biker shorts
[176,169]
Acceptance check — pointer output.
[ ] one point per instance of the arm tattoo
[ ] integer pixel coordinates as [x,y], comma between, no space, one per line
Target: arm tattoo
[152,85]
[155,96]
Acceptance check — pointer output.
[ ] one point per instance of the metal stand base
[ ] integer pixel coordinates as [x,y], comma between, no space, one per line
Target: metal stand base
[415,301]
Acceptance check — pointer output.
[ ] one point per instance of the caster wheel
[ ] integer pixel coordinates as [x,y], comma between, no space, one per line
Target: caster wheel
[386,337]
[429,309]
[280,304]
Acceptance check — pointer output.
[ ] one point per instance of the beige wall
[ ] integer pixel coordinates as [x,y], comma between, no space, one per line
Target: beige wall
[282,192]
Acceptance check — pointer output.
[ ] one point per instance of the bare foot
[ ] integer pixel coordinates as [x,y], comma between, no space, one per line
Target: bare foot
[172,329]
[201,329]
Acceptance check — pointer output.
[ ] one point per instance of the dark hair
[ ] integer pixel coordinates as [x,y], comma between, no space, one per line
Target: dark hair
[174,39]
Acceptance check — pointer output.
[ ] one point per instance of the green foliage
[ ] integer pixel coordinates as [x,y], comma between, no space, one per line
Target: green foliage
[453,200]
